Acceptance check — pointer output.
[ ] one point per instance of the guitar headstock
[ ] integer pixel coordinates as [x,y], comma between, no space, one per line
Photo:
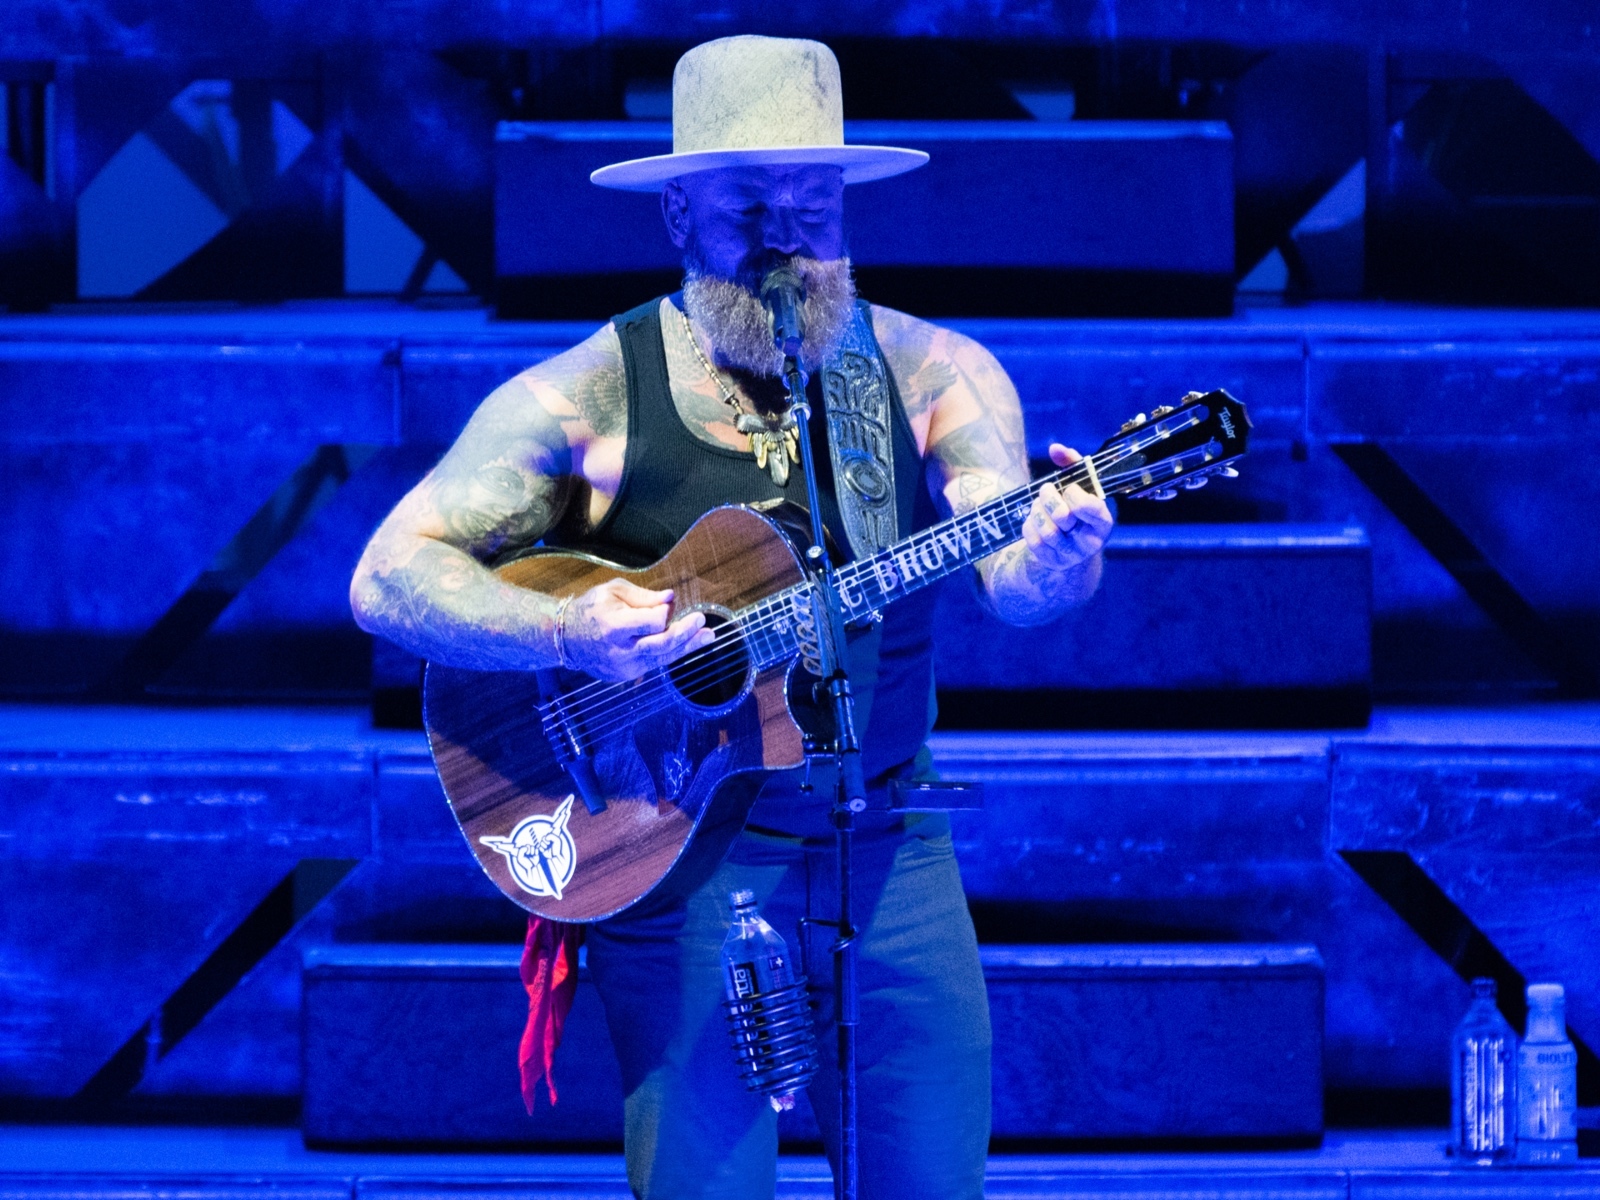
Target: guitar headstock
[1181,445]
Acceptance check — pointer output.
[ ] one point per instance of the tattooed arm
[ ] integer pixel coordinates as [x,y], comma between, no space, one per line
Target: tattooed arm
[549,440]
[968,423]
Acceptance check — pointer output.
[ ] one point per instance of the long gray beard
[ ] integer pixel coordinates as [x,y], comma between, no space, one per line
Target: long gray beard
[735,321]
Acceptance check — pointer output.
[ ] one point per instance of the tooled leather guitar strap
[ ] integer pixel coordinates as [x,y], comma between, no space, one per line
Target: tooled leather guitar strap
[861,438]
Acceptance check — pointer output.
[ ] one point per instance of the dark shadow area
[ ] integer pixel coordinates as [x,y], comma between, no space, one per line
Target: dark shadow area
[236,1112]
[1387,1108]
[1468,565]
[1046,923]
[1159,1145]
[1140,708]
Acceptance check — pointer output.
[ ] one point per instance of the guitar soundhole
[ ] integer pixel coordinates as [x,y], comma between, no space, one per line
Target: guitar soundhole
[718,675]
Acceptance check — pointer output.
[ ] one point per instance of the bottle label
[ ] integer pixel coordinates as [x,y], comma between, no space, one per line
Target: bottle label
[744,980]
[1547,1087]
[1482,1072]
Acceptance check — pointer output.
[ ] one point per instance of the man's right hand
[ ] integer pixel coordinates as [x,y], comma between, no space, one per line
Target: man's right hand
[619,630]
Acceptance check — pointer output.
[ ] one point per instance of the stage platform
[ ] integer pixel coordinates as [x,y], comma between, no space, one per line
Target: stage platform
[162,845]
[120,1163]
[307,421]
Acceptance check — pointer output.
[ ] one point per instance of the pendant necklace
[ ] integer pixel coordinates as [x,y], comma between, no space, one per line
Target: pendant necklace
[775,443]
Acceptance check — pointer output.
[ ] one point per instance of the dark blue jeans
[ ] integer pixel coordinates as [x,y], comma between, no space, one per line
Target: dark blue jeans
[692,1128]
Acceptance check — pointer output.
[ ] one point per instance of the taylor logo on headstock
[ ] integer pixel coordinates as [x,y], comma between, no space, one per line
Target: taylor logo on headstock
[540,852]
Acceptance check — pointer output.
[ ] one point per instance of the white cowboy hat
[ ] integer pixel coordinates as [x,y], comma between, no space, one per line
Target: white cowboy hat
[753,102]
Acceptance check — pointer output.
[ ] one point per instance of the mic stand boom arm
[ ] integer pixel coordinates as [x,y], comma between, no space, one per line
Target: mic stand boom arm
[850,789]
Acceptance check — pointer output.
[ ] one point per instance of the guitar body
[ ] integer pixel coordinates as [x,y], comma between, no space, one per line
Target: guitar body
[581,798]
[579,842]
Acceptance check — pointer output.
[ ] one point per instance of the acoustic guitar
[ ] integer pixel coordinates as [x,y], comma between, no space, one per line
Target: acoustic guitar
[582,797]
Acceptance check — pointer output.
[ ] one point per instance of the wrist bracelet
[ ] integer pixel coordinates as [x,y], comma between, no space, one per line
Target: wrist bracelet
[561,631]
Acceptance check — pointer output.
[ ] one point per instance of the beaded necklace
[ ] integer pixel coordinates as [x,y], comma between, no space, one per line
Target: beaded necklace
[776,442]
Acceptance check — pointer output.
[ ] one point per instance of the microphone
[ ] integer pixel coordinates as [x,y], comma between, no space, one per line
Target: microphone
[782,293]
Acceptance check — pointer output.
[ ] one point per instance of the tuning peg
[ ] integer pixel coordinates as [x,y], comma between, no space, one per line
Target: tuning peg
[1157,413]
[1226,473]
[1195,481]
[1133,424]
[1190,397]
[1163,494]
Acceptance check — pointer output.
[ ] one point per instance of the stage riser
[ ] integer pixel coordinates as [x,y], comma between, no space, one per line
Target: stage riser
[407,1044]
[120,505]
[116,902]
[1046,1181]
[1028,244]
[1214,608]
[123,873]
[1510,836]
[1184,608]
[1067,851]
[307,377]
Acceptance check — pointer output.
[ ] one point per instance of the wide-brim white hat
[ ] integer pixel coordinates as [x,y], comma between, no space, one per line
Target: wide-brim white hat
[757,102]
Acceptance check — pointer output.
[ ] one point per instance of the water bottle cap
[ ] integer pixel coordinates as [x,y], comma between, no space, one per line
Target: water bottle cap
[741,898]
[1485,989]
[1545,995]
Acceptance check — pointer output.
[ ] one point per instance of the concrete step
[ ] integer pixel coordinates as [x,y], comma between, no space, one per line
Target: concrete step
[123,505]
[1193,625]
[408,1043]
[111,1163]
[139,841]
[1121,239]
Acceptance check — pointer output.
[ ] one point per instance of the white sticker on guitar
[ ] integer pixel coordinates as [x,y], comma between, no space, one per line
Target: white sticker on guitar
[540,852]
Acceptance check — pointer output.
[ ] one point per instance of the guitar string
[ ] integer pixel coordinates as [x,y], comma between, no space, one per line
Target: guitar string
[742,630]
[658,692]
[587,691]
[713,659]
[709,662]
[660,689]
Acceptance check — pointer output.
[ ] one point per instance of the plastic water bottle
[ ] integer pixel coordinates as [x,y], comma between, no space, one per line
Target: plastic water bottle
[1547,1081]
[769,1014]
[1483,1082]
[755,958]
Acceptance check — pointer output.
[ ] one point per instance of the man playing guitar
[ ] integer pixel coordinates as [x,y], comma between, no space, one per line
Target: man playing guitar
[615,447]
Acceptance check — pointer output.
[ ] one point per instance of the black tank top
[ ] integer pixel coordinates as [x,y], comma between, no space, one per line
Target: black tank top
[670,478]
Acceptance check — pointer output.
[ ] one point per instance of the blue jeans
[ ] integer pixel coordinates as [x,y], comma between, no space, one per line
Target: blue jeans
[692,1128]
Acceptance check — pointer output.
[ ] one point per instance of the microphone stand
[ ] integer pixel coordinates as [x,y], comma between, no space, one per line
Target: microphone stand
[850,795]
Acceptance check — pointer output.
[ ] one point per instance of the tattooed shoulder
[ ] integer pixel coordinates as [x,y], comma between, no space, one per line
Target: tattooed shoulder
[510,474]
[946,379]
[929,360]
[585,388]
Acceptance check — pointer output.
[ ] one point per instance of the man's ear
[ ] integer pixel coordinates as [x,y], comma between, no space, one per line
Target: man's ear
[675,211]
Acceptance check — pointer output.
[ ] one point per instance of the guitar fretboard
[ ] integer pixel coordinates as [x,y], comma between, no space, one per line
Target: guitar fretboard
[924,558]
[772,626]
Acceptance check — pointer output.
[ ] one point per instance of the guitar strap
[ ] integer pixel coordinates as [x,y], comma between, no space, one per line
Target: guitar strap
[857,390]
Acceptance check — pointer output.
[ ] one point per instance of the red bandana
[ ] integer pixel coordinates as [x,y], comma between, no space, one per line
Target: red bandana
[550,974]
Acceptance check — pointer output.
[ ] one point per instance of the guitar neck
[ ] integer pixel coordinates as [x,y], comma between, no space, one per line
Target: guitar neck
[1134,463]
[931,554]
[927,556]
[941,550]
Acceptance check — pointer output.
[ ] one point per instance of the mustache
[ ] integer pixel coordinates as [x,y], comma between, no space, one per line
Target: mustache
[754,271]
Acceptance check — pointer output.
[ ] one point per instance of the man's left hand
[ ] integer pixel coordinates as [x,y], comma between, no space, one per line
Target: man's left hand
[1068,526]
